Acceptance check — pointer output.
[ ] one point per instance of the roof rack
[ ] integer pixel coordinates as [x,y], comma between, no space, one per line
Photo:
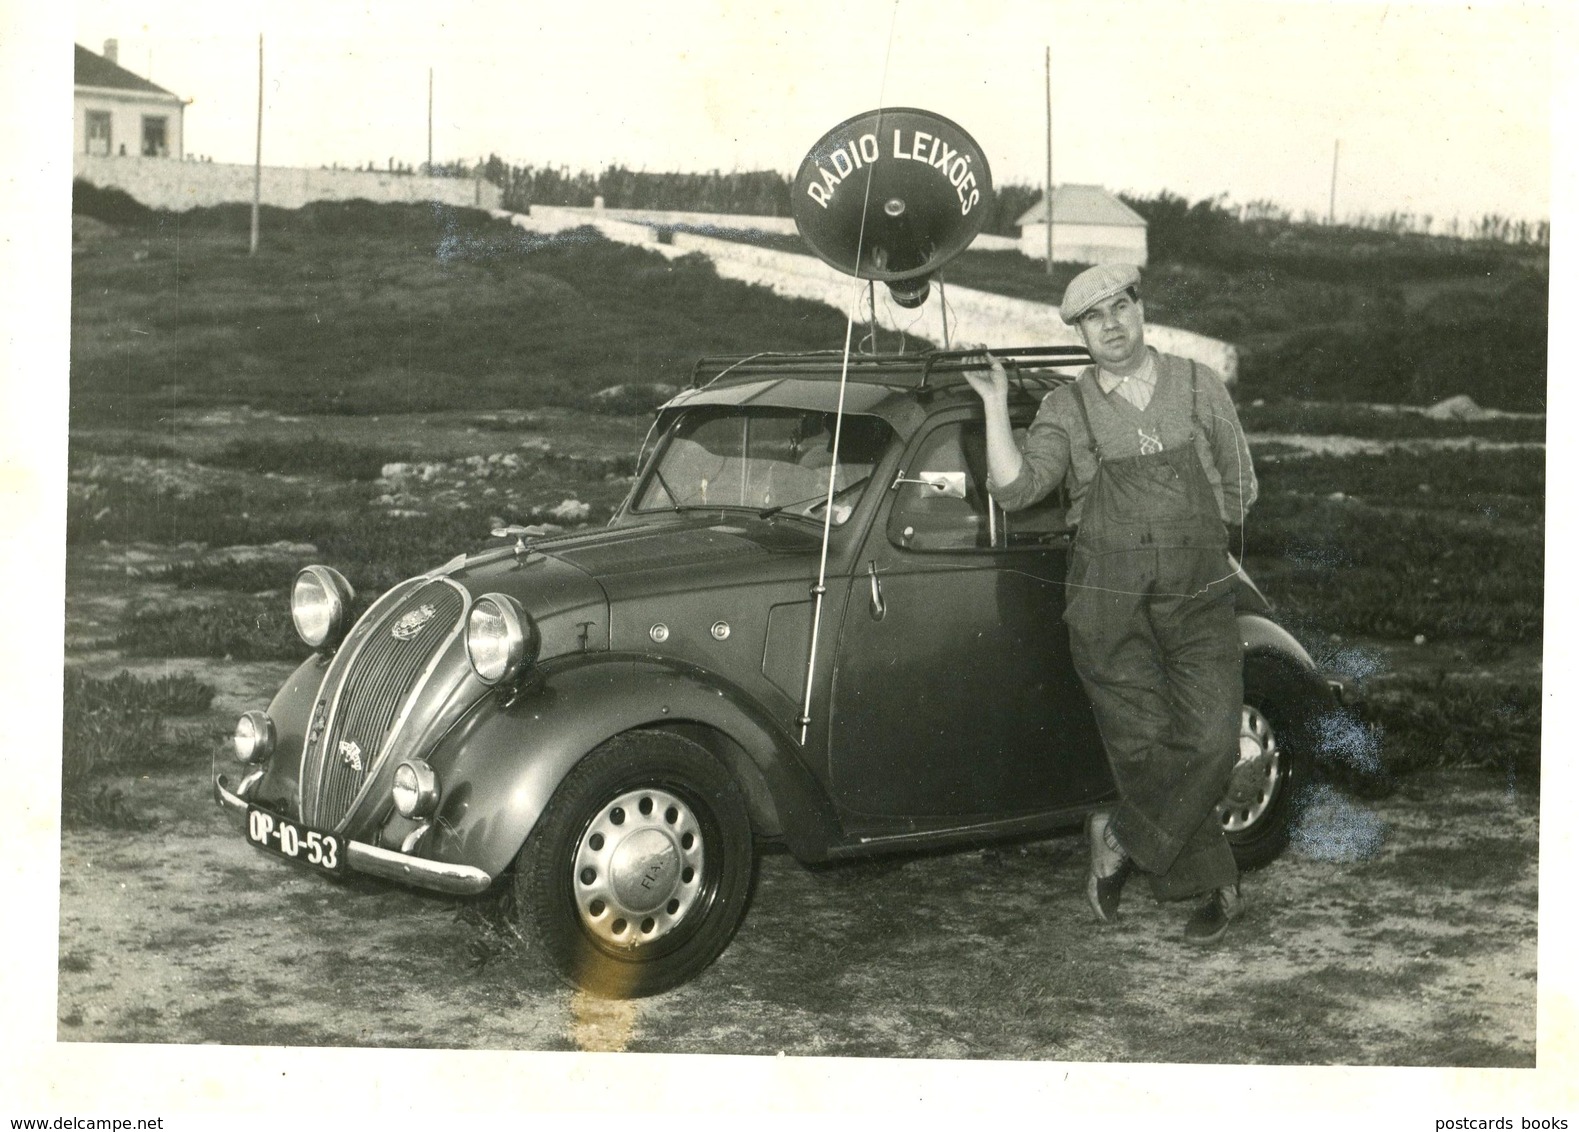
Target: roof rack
[907,371]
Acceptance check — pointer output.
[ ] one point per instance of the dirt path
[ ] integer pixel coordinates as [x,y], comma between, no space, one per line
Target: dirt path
[1398,932]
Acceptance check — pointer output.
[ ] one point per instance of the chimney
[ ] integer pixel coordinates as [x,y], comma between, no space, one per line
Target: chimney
[112,49]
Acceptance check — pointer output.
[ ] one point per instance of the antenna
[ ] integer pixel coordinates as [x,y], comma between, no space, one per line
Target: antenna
[919,204]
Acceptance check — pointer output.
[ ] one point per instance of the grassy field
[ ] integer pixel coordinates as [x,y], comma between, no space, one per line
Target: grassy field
[383,385]
[448,361]
[1411,330]
[355,308]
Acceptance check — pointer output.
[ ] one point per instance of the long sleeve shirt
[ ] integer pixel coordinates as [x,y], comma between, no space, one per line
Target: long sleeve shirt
[1058,444]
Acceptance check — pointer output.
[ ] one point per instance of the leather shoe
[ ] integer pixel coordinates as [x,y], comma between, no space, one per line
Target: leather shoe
[1208,922]
[1110,868]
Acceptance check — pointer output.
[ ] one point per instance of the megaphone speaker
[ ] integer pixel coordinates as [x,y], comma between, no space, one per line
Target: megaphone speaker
[892,195]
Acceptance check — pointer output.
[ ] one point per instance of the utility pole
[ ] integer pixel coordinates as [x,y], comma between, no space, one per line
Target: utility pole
[429,169]
[1332,196]
[1048,196]
[257,162]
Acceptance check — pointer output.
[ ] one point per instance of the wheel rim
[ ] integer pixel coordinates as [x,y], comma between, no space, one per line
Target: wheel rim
[637,871]
[1257,776]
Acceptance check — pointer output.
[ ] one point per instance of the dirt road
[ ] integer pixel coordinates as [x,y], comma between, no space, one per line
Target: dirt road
[1393,932]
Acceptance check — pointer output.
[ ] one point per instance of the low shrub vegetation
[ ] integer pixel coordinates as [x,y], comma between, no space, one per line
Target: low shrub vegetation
[397,308]
[307,455]
[251,576]
[1333,419]
[1439,720]
[234,630]
[115,725]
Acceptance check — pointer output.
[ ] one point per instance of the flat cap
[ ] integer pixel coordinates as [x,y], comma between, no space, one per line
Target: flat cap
[1093,285]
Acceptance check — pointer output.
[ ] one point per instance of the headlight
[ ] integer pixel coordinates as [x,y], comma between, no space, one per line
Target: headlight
[501,639]
[416,789]
[254,738]
[321,606]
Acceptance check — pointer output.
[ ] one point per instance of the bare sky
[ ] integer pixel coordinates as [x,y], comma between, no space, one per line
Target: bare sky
[1440,108]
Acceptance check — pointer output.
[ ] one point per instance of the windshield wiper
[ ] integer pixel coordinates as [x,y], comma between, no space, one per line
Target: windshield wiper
[667,490]
[820,500]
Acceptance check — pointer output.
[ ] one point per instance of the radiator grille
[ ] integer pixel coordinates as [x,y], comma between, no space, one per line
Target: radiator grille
[383,675]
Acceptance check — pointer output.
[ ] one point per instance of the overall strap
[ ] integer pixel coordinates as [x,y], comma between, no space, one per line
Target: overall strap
[1195,400]
[1085,415]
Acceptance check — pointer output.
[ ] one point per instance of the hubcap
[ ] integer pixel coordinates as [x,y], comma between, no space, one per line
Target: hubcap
[637,870]
[1257,776]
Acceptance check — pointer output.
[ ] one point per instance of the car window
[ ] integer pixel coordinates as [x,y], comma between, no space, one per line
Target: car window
[942,502]
[760,458]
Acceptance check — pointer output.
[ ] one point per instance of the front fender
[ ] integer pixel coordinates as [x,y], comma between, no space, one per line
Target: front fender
[1262,635]
[502,762]
[291,713]
[1316,716]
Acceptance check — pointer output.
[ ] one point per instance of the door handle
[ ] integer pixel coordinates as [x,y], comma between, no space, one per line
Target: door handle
[877,607]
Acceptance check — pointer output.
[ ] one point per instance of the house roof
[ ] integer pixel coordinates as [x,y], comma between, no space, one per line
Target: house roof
[1084,204]
[96,70]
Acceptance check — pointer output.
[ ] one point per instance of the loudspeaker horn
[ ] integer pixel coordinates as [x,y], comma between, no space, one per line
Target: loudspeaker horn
[892,195]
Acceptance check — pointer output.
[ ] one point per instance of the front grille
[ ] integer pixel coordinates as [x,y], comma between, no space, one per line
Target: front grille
[384,673]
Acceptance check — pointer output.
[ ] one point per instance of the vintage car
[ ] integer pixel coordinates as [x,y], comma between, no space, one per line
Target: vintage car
[764,645]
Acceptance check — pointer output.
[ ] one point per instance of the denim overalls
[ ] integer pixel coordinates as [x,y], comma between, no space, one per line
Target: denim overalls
[1150,611]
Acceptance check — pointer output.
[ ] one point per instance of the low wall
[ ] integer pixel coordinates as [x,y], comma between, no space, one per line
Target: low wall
[180,185]
[780,225]
[668,218]
[973,316]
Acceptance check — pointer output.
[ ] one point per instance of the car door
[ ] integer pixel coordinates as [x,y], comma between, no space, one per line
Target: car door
[954,696]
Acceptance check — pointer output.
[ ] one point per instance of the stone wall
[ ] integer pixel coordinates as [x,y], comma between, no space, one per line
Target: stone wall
[973,316]
[180,185]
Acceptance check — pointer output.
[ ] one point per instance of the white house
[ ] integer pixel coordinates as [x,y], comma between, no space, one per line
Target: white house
[1090,225]
[120,114]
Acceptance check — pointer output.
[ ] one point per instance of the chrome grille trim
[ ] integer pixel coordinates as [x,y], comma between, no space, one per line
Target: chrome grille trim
[373,694]
[307,768]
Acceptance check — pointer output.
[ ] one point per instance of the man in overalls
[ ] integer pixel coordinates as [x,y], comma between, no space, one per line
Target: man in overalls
[1158,472]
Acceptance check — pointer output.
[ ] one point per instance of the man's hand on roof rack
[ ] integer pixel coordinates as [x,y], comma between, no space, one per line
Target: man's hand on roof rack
[992,382]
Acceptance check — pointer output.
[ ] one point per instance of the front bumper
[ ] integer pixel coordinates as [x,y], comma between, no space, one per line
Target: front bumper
[457,880]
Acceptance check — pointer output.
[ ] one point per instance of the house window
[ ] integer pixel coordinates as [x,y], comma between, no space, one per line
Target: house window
[99,132]
[154,137]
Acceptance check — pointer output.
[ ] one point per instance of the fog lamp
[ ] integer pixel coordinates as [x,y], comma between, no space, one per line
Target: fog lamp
[253,740]
[416,789]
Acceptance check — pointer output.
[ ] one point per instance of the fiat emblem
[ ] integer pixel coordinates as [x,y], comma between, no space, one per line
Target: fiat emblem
[411,624]
[350,754]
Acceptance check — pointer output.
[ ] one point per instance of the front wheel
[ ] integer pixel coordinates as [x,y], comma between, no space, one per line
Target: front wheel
[638,873]
[1258,809]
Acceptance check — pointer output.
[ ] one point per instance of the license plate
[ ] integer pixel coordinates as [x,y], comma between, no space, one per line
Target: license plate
[283,837]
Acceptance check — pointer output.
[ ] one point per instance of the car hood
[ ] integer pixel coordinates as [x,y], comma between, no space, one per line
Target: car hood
[573,585]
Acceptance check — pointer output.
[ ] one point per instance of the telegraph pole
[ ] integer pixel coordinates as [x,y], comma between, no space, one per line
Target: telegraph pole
[429,169]
[1332,196]
[1048,67]
[257,162]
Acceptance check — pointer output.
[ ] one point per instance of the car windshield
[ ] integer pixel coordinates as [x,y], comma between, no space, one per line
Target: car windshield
[763,459]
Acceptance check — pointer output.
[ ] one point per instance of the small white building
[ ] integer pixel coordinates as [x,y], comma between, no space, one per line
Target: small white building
[1090,225]
[119,114]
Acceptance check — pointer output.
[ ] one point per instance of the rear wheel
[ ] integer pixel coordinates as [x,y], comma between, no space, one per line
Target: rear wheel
[637,875]
[1258,808]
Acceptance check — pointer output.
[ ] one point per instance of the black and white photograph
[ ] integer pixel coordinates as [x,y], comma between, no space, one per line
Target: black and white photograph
[892,557]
